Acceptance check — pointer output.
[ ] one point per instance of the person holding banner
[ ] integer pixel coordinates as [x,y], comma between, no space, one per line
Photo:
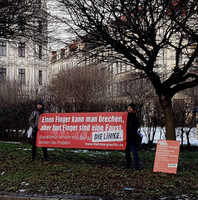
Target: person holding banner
[33,122]
[132,128]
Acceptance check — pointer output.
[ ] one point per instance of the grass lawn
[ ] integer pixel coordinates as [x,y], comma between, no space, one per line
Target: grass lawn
[95,172]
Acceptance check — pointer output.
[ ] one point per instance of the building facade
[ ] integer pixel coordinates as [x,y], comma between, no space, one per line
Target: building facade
[122,78]
[24,61]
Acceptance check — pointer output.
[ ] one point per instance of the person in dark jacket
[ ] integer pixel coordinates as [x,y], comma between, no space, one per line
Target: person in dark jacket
[132,128]
[33,122]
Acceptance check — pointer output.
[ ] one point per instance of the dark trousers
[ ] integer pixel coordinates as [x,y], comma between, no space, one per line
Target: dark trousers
[34,147]
[131,147]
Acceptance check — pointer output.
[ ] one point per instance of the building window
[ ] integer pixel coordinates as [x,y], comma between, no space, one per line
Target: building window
[62,53]
[2,48]
[40,52]
[40,27]
[123,67]
[21,49]
[2,74]
[22,76]
[108,89]
[118,89]
[40,77]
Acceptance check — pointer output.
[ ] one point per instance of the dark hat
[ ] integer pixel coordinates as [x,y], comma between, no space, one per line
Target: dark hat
[132,105]
[41,103]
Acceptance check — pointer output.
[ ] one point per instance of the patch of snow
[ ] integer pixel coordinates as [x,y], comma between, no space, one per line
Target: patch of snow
[50,149]
[160,135]
[24,183]
[10,142]
[3,173]
[128,189]
[22,190]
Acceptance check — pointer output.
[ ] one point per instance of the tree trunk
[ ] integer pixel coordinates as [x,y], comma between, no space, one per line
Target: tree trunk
[169,118]
[187,137]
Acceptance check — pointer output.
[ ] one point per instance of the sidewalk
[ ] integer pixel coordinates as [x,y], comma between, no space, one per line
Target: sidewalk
[25,196]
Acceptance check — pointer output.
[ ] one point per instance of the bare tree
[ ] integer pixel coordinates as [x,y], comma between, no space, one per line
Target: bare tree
[185,118]
[77,87]
[15,109]
[21,18]
[139,89]
[139,32]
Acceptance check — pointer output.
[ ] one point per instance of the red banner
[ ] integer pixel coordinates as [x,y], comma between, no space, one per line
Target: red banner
[83,130]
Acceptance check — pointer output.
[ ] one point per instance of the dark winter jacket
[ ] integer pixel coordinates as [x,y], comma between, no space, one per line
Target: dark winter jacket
[34,118]
[132,125]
